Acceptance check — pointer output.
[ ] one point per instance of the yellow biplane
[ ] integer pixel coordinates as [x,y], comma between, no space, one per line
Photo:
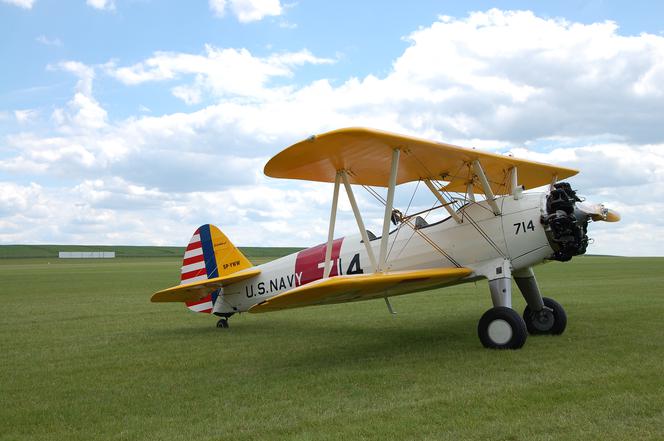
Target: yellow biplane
[493,230]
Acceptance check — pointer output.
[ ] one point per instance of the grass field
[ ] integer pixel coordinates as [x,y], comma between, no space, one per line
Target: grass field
[85,356]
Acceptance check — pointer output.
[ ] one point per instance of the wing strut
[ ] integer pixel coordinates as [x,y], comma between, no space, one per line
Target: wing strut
[358,219]
[515,188]
[388,210]
[330,233]
[470,191]
[490,198]
[389,307]
[442,200]
[342,176]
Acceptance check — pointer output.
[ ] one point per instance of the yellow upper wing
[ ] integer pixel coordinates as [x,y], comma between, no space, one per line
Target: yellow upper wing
[191,292]
[361,287]
[366,155]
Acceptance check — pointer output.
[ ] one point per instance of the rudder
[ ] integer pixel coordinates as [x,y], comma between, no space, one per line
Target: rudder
[209,254]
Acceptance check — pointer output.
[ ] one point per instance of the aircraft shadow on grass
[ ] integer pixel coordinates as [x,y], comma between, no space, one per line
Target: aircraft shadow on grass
[331,343]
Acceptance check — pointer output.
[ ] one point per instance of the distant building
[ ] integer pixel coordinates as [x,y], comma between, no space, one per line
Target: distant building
[86,254]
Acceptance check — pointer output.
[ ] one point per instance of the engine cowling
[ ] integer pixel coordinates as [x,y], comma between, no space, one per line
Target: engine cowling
[566,227]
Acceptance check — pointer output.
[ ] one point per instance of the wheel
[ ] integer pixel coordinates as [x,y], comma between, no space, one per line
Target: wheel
[551,320]
[502,328]
[222,323]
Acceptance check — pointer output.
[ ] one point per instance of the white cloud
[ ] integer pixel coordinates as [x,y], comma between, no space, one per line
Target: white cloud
[84,112]
[578,95]
[25,4]
[113,211]
[219,72]
[247,10]
[84,73]
[103,5]
[48,41]
[25,115]
[287,25]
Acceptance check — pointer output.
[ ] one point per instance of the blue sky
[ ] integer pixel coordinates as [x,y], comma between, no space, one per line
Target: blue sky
[132,122]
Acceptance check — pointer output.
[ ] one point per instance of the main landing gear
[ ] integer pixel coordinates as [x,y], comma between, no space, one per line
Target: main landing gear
[551,319]
[503,328]
[223,321]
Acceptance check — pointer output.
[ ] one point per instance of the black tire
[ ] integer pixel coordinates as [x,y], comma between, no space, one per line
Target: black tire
[222,323]
[553,322]
[495,335]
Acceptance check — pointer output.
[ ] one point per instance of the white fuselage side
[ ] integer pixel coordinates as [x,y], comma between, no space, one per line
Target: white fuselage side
[482,242]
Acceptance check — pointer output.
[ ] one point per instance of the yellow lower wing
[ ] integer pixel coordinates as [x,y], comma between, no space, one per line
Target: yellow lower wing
[194,291]
[361,287]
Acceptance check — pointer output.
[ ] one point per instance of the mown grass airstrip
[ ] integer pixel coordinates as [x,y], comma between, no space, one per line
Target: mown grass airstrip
[86,356]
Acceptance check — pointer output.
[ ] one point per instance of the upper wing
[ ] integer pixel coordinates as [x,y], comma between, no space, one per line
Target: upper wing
[366,156]
[360,287]
[195,291]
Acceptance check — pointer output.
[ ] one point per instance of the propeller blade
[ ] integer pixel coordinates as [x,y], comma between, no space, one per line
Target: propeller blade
[612,216]
[598,212]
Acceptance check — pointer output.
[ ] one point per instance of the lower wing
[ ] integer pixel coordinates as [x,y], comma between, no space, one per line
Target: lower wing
[349,288]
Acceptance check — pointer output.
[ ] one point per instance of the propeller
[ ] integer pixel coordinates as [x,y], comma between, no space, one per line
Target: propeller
[598,212]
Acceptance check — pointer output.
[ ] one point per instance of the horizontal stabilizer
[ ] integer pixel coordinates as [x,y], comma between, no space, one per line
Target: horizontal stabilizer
[361,287]
[197,290]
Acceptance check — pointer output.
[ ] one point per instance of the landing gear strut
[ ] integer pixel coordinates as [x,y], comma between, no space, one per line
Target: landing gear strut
[542,314]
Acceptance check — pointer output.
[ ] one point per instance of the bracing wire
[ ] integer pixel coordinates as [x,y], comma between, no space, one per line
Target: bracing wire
[426,238]
[404,214]
[475,225]
[478,227]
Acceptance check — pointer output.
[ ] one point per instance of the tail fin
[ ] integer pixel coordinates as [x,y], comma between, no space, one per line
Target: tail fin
[210,254]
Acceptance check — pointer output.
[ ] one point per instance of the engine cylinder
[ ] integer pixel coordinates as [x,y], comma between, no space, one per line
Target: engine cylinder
[566,232]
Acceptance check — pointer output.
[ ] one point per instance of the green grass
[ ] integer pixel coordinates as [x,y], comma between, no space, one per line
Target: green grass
[86,356]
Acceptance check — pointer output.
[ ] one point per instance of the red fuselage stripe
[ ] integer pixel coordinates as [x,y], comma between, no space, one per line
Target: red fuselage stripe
[194,245]
[192,274]
[194,259]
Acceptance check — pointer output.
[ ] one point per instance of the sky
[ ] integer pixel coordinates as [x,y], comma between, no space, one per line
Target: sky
[132,122]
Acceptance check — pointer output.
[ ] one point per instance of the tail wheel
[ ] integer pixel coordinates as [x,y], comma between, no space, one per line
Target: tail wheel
[550,320]
[502,328]
[222,323]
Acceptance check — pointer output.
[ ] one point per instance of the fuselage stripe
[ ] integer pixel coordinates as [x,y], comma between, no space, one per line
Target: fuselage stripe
[190,260]
[194,245]
[204,306]
[193,253]
[192,267]
[193,274]
[193,279]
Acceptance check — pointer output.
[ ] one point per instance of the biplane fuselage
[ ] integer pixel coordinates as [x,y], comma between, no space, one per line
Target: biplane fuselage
[499,236]
[517,234]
